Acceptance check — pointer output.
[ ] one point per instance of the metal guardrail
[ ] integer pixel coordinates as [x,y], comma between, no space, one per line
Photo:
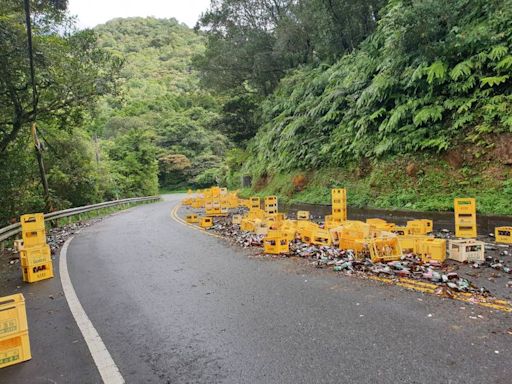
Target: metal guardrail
[14,229]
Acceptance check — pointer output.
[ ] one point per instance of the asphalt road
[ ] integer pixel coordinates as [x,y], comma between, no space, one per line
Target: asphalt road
[174,305]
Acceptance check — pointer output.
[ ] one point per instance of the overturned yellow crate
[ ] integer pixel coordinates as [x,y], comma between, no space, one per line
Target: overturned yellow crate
[256,213]
[503,235]
[247,224]
[402,231]
[381,225]
[289,229]
[420,227]
[334,232]
[206,222]
[197,203]
[352,235]
[432,249]
[411,243]
[383,249]
[37,272]
[13,316]
[306,230]
[187,201]
[275,221]
[192,218]
[303,215]
[232,200]
[321,236]
[215,192]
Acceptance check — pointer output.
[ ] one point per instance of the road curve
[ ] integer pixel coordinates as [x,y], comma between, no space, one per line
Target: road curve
[173,305]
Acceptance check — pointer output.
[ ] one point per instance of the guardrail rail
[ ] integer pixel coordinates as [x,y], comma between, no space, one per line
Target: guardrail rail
[14,229]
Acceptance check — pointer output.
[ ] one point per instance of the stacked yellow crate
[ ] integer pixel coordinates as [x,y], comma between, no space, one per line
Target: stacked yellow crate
[14,341]
[35,254]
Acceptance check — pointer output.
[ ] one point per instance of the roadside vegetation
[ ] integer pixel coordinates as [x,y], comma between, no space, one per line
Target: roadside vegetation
[407,103]
[417,110]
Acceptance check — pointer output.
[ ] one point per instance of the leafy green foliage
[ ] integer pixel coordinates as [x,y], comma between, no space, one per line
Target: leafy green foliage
[432,75]
[162,96]
[256,42]
[70,74]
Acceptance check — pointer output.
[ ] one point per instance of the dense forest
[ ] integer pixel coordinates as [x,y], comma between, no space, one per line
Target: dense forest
[407,103]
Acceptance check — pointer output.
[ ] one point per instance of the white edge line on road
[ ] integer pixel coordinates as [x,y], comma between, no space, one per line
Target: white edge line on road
[108,369]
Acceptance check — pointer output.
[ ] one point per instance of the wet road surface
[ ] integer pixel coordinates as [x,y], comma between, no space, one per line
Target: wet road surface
[174,305]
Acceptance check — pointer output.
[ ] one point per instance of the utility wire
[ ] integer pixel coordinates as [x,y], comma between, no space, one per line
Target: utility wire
[37,144]
[31,58]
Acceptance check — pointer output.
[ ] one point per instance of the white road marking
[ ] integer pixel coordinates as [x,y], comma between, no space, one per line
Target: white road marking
[108,369]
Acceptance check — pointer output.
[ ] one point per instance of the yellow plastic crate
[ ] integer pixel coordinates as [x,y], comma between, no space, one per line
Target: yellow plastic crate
[321,237]
[465,205]
[275,246]
[402,231]
[13,316]
[37,272]
[503,235]
[385,249]
[271,204]
[35,255]
[34,238]
[465,217]
[303,215]
[247,225]
[256,213]
[339,204]
[206,222]
[356,245]
[411,243]
[15,350]
[32,222]
[192,218]
[254,203]
[420,227]
[306,230]
[432,249]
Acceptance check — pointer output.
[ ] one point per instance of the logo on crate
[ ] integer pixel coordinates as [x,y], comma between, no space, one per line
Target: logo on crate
[8,326]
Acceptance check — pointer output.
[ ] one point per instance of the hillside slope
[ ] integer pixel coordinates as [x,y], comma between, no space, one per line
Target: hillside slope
[161,96]
[420,113]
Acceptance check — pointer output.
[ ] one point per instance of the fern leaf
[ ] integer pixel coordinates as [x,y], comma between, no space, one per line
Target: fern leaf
[436,71]
[498,52]
[462,69]
[426,114]
[493,80]
[505,63]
